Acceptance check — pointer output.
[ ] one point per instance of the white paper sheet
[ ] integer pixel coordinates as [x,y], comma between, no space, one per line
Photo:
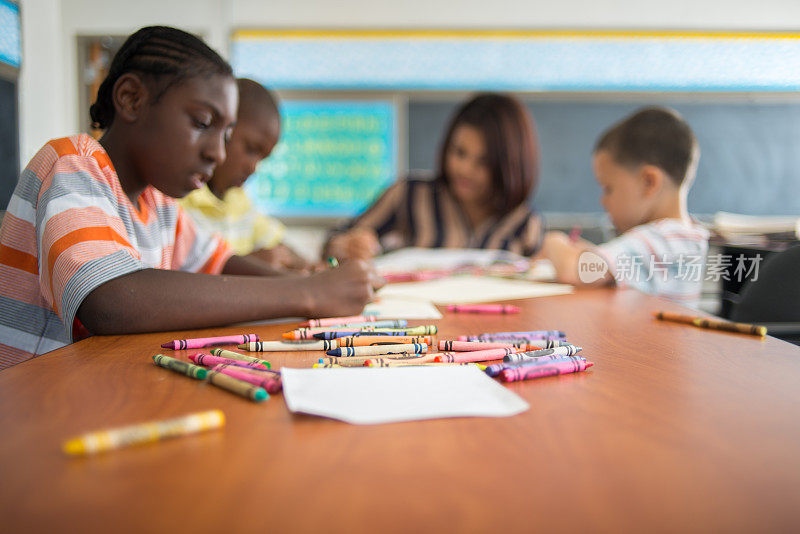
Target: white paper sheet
[389,395]
[414,259]
[391,308]
[468,289]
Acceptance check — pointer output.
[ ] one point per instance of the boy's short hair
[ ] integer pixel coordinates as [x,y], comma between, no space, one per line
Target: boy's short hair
[653,136]
[256,100]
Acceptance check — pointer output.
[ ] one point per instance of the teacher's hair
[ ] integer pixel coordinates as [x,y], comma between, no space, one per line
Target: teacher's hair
[512,147]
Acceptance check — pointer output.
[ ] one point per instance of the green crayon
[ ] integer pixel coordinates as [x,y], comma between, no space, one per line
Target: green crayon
[179,366]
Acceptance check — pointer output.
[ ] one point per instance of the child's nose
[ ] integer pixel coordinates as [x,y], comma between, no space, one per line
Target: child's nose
[215,150]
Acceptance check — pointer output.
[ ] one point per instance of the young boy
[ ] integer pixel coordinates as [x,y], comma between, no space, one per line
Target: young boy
[223,207]
[645,166]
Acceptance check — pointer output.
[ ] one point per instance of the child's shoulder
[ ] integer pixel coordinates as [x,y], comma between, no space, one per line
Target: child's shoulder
[676,228]
[82,149]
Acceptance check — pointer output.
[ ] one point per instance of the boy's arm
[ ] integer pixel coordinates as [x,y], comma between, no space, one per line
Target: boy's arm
[156,300]
[565,255]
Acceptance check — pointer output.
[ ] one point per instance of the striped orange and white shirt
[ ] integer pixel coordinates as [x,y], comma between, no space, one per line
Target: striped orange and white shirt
[70,228]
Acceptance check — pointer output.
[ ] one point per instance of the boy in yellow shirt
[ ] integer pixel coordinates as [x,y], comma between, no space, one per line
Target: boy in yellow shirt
[224,207]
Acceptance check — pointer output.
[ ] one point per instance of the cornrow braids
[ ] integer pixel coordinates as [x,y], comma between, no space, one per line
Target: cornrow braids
[163,57]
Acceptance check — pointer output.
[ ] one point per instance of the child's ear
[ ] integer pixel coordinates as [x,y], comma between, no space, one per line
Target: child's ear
[652,180]
[129,96]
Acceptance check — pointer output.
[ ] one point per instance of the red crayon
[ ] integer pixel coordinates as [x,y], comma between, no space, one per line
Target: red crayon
[208,360]
[540,371]
[466,346]
[483,308]
[474,356]
[266,381]
[200,342]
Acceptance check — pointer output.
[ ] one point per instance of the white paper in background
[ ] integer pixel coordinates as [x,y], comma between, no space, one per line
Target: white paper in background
[391,308]
[465,289]
[393,394]
[415,259]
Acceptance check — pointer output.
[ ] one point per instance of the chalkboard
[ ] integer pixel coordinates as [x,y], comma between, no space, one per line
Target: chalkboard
[332,160]
[750,151]
[9,141]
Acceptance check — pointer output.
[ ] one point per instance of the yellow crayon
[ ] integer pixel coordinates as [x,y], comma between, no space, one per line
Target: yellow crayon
[326,365]
[116,438]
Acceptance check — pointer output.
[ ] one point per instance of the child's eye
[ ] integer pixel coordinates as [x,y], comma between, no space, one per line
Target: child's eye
[200,124]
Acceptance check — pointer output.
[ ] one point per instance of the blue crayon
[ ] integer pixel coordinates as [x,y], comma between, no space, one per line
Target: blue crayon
[378,350]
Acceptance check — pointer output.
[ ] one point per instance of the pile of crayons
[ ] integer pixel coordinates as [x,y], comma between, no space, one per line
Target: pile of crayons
[238,373]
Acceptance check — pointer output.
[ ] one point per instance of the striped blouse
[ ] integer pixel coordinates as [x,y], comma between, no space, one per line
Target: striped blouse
[70,228]
[421,212]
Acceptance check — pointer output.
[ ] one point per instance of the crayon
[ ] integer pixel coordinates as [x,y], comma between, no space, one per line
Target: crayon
[245,389]
[208,360]
[411,348]
[252,370]
[378,362]
[546,344]
[268,382]
[200,342]
[330,321]
[394,363]
[425,330]
[483,308]
[568,350]
[115,438]
[184,368]
[465,346]
[307,333]
[367,341]
[540,371]
[474,356]
[511,339]
[333,262]
[280,346]
[222,353]
[326,366]
[358,361]
[496,368]
[533,334]
[712,323]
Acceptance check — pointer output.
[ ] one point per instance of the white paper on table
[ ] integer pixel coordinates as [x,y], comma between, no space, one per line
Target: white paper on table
[392,308]
[415,259]
[469,289]
[393,394]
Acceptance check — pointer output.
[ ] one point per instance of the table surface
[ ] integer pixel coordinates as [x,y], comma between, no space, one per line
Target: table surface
[674,429]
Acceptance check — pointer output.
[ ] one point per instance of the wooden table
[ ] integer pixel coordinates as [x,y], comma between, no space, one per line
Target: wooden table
[674,429]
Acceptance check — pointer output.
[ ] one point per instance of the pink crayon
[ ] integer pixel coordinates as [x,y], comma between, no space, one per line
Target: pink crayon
[540,371]
[200,342]
[465,346]
[483,308]
[209,361]
[339,320]
[266,381]
[474,356]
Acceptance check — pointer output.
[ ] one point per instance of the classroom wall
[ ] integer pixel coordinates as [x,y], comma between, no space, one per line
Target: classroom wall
[48,83]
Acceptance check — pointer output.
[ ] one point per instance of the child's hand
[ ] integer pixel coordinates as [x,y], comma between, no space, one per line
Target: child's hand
[357,244]
[343,290]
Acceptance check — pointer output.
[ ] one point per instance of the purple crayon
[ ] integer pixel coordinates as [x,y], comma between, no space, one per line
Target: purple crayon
[496,368]
[567,350]
[200,342]
[540,371]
